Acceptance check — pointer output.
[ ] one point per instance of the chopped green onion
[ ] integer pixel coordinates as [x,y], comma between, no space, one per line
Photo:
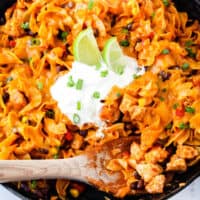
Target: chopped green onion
[183,125]
[56,156]
[90,4]
[169,126]
[96,95]
[135,76]
[153,15]
[25,25]
[165,51]
[185,66]
[35,41]
[120,71]
[40,85]
[165,2]
[33,184]
[162,98]
[175,106]
[50,114]
[104,73]
[118,94]
[188,43]
[79,84]
[9,79]
[29,59]
[63,36]
[190,52]
[70,82]
[76,118]
[78,105]
[124,30]
[124,43]
[189,109]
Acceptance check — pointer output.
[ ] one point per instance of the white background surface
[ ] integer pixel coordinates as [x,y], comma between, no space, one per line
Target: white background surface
[191,192]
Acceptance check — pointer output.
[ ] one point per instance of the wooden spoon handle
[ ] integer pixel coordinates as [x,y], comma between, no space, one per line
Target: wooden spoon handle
[19,170]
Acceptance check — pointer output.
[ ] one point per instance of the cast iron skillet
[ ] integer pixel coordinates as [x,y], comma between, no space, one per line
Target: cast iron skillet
[192,7]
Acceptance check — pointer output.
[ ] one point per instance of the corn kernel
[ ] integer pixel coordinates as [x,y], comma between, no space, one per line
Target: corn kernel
[141,102]
[74,192]
[24,119]
[54,151]
[57,143]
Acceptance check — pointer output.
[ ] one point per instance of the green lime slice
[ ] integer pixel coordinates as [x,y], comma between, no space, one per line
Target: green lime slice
[113,56]
[85,48]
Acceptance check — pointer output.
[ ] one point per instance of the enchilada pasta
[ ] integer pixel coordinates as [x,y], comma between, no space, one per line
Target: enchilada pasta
[162,106]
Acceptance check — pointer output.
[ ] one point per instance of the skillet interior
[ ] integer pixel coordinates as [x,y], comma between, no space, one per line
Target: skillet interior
[193,9]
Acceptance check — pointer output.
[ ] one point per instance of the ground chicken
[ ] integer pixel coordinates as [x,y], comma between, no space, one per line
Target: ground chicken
[110,113]
[156,185]
[176,164]
[186,152]
[17,100]
[148,171]
[136,152]
[156,154]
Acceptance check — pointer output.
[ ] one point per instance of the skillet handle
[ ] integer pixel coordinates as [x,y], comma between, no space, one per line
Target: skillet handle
[21,170]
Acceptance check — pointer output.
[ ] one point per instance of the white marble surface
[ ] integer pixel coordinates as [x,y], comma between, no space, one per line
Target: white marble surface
[191,192]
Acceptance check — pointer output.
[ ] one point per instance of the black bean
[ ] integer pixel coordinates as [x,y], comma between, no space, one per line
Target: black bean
[130,126]
[146,68]
[10,38]
[136,175]
[140,184]
[96,32]
[29,32]
[129,26]
[102,101]
[113,20]
[194,72]
[164,75]
[133,186]
[50,114]
[43,150]
[6,97]
[175,67]
[83,133]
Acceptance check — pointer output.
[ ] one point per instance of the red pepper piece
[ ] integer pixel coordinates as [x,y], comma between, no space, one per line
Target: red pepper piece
[180,112]
[12,43]
[69,136]
[151,35]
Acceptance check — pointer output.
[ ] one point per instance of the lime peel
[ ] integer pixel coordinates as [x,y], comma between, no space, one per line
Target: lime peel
[113,56]
[85,48]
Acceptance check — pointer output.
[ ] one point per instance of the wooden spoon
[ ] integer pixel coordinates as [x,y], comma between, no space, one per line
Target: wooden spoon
[88,168]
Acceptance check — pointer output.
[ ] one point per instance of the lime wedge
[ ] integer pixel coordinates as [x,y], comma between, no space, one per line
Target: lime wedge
[113,56]
[85,48]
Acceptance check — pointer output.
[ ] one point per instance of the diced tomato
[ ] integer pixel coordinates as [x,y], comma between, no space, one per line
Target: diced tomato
[180,112]
[69,136]
[12,43]
[151,35]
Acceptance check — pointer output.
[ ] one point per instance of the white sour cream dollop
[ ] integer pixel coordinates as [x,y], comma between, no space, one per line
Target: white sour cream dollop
[89,106]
